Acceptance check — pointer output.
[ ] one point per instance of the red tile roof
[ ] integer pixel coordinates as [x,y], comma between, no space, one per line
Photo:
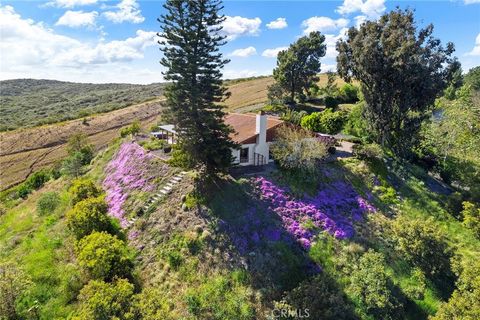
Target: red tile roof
[245,124]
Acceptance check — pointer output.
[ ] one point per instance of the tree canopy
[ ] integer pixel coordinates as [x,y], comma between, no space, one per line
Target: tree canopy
[298,66]
[401,70]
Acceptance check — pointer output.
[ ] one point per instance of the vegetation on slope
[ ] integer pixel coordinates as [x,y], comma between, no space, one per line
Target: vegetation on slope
[29,102]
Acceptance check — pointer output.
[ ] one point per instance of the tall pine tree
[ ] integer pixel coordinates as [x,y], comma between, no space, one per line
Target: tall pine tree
[191,32]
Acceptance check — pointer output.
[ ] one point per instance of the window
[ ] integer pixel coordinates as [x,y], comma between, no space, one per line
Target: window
[244,155]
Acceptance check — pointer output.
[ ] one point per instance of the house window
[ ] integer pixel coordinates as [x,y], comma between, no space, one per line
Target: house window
[244,155]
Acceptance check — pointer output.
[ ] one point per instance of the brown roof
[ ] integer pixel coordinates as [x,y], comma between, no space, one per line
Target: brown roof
[245,124]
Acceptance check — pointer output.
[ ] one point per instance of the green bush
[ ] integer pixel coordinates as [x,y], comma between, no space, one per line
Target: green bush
[424,246]
[331,102]
[151,304]
[356,125]
[181,159]
[320,295]
[153,144]
[23,190]
[104,257]
[293,116]
[82,189]
[99,300]
[132,129]
[325,122]
[348,93]
[47,203]
[220,298]
[13,284]
[89,215]
[36,180]
[370,151]
[471,217]
[371,287]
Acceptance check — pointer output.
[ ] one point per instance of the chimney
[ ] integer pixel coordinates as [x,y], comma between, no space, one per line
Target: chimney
[261,127]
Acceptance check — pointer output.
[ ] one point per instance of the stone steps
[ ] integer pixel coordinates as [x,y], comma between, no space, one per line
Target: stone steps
[166,189]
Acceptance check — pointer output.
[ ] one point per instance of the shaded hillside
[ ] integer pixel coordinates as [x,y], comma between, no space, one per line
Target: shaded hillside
[29,102]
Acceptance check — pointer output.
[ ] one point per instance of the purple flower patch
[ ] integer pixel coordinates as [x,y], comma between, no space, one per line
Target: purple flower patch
[126,172]
[333,209]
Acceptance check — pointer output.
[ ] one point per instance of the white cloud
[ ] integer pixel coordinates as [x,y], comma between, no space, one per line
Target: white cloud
[128,11]
[359,20]
[71,3]
[370,8]
[476,49]
[30,49]
[246,52]
[272,53]
[471,1]
[279,23]
[323,24]
[77,19]
[235,74]
[234,27]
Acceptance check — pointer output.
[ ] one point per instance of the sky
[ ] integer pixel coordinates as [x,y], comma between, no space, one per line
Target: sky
[115,41]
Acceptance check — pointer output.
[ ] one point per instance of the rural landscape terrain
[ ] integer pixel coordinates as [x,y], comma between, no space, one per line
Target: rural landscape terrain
[365,204]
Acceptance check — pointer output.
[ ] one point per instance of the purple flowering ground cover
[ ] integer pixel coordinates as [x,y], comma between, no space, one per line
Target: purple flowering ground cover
[334,209]
[126,172]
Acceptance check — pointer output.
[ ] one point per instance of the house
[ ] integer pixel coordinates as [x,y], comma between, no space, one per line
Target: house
[253,132]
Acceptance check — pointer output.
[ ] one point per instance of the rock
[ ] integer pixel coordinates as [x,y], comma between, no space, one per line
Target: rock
[251,254]
[206,235]
[184,197]
[184,207]
[198,229]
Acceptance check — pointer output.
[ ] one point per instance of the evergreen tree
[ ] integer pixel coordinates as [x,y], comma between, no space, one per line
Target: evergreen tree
[298,66]
[401,69]
[191,30]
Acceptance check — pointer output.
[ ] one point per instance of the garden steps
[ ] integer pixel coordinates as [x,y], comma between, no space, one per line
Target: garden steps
[166,189]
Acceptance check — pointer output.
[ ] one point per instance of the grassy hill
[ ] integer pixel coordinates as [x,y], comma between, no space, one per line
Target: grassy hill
[231,255]
[29,102]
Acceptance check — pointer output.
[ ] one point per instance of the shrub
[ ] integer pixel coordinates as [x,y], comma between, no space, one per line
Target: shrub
[36,180]
[356,124]
[370,151]
[104,257]
[78,146]
[320,295]
[348,93]
[331,102]
[423,245]
[369,284]
[23,190]
[464,303]
[82,189]
[132,129]
[220,298]
[326,122]
[181,159]
[99,300]
[293,116]
[151,304]
[13,283]
[297,149]
[47,203]
[74,165]
[154,144]
[89,215]
[471,217]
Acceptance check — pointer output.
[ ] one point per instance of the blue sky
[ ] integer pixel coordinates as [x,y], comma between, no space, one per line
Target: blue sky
[114,41]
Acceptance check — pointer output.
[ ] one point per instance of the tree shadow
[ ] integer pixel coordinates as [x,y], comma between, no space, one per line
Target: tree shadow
[274,258]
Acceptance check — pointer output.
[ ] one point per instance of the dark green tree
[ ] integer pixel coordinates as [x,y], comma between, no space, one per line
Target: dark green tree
[192,36]
[298,66]
[401,69]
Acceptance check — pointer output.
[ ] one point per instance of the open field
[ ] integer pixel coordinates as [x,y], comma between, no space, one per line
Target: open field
[27,150]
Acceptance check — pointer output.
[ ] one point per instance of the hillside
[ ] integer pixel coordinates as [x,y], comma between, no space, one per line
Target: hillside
[30,102]
[257,242]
